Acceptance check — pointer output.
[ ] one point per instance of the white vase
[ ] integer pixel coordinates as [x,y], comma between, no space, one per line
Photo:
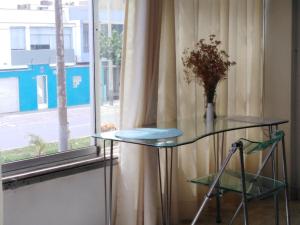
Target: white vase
[210,113]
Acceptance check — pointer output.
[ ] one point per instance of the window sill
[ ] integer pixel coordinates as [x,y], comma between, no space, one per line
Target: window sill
[46,168]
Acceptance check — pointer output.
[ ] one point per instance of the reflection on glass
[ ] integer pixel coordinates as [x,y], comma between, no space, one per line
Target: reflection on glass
[28,75]
[193,131]
[111,35]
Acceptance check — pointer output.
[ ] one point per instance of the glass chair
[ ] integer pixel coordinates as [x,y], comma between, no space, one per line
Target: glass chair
[250,186]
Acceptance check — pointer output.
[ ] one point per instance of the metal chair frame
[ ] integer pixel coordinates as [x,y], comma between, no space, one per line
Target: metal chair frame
[238,146]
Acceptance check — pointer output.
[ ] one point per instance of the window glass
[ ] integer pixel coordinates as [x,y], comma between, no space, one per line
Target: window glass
[31,116]
[104,29]
[68,38]
[111,37]
[85,35]
[44,38]
[117,27]
[17,38]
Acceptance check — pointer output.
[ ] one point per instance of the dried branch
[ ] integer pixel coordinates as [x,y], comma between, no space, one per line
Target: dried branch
[206,64]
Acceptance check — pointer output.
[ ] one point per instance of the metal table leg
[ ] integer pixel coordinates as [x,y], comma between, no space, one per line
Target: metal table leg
[218,151]
[244,196]
[105,186]
[166,195]
[275,176]
[284,170]
[108,200]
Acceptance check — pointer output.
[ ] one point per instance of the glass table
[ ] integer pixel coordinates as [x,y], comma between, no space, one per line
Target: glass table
[191,132]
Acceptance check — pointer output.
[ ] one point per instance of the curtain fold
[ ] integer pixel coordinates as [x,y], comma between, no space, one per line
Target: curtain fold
[137,196]
[153,90]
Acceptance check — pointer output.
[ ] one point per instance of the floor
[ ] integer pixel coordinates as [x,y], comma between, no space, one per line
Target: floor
[260,213]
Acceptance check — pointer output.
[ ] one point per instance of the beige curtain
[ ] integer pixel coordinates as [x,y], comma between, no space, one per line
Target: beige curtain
[137,196]
[153,89]
[239,25]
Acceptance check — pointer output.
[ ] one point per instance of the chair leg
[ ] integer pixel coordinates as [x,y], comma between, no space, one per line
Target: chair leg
[213,185]
[287,208]
[236,213]
[200,210]
[244,194]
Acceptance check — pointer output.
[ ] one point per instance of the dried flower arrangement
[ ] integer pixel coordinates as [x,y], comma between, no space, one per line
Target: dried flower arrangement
[206,64]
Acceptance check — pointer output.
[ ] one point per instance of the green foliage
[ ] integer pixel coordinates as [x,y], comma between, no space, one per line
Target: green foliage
[111,47]
[38,143]
[47,149]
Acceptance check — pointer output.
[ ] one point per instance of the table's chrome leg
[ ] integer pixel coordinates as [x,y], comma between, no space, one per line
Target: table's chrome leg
[244,187]
[160,187]
[274,175]
[166,196]
[222,146]
[218,152]
[284,167]
[167,187]
[110,182]
[105,180]
[170,189]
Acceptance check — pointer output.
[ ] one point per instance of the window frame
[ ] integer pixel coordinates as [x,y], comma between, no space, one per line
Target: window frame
[93,151]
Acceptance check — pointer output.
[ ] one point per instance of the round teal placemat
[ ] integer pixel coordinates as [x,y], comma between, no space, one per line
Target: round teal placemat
[148,133]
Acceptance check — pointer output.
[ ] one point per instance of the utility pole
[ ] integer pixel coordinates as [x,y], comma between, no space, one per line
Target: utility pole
[61,80]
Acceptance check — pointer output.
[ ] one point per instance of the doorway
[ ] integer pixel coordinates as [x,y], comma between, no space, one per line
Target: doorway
[42,91]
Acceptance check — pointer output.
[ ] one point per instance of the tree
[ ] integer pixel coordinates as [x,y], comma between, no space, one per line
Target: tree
[61,80]
[111,47]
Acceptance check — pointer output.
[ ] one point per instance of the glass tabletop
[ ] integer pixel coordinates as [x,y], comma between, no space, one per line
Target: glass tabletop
[193,131]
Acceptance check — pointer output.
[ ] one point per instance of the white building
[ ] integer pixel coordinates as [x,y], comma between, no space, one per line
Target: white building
[27,31]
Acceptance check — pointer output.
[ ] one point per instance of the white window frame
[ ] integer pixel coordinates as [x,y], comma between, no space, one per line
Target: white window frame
[19,168]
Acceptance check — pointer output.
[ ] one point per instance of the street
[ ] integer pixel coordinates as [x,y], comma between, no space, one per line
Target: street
[15,128]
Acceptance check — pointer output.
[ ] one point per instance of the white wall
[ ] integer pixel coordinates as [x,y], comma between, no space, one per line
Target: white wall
[5,57]
[72,200]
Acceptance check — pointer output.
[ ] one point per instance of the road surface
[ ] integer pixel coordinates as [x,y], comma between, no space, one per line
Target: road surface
[15,128]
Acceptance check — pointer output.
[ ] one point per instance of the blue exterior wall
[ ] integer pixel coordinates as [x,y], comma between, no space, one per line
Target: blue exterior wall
[27,91]
[80,94]
[77,84]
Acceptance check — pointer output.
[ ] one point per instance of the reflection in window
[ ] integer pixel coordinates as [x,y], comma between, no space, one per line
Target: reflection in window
[85,37]
[117,27]
[29,78]
[44,38]
[17,38]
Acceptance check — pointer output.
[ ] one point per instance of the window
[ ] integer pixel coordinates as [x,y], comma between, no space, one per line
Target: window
[44,38]
[33,86]
[85,36]
[68,38]
[42,92]
[104,29]
[17,38]
[117,27]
